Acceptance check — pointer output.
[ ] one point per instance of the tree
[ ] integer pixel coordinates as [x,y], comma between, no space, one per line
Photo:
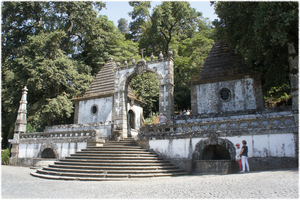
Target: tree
[55,48]
[147,88]
[178,27]
[123,25]
[260,32]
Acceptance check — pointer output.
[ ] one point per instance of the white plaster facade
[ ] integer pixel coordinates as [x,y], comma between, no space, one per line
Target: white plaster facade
[103,114]
[272,145]
[242,96]
[63,149]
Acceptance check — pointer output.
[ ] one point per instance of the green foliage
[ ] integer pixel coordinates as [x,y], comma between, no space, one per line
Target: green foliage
[147,88]
[152,119]
[260,31]
[5,156]
[30,128]
[278,96]
[178,27]
[123,25]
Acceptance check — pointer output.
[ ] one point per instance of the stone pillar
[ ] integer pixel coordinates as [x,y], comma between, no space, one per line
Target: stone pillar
[293,60]
[20,127]
[119,115]
[194,105]
[76,110]
[166,91]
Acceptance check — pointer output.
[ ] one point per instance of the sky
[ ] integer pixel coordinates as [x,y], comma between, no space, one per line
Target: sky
[120,9]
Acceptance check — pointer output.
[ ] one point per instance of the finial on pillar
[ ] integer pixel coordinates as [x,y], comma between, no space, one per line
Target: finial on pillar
[142,51]
[161,56]
[152,57]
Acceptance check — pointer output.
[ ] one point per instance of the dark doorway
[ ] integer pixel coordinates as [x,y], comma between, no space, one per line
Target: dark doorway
[131,119]
[48,153]
[215,152]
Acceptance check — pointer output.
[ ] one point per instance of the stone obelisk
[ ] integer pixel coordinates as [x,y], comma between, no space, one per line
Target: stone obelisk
[20,127]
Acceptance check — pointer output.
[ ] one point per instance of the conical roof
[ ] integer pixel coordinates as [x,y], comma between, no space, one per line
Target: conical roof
[221,63]
[104,83]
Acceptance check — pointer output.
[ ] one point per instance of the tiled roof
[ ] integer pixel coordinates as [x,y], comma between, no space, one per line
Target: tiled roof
[221,62]
[104,81]
[103,84]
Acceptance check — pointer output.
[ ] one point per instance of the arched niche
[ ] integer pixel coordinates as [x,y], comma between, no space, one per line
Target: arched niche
[214,148]
[48,150]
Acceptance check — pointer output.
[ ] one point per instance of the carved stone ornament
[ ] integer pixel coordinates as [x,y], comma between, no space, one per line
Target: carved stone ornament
[131,102]
[141,67]
[152,57]
[160,56]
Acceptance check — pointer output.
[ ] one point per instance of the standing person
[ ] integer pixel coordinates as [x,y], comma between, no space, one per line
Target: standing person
[162,118]
[180,113]
[244,154]
[237,157]
[188,112]
[184,112]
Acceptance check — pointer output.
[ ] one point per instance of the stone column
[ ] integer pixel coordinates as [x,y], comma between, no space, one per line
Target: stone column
[20,127]
[119,114]
[194,105]
[166,91]
[293,60]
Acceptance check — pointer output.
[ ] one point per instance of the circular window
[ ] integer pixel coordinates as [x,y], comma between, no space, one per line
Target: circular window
[94,109]
[225,94]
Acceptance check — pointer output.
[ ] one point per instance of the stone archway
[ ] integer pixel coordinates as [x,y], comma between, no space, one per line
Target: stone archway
[214,155]
[48,150]
[163,68]
[201,146]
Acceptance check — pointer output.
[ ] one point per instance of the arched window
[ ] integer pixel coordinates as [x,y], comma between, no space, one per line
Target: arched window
[48,153]
[131,119]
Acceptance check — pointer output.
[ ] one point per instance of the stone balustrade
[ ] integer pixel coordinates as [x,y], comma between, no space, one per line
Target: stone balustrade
[246,125]
[83,134]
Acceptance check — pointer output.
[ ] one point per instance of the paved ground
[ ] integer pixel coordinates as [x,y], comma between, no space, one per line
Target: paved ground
[16,182]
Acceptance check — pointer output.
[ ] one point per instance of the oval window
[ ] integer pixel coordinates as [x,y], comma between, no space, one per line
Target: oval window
[225,94]
[94,109]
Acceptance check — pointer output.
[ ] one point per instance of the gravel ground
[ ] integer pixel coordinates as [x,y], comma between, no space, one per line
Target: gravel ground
[16,182]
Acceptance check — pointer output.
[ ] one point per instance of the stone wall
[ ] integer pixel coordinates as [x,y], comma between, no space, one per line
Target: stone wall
[244,94]
[271,137]
[103,113]
[103,129]
[29,146]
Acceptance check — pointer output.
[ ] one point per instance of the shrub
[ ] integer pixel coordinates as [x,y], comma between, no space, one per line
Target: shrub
[152,120]
[5,156]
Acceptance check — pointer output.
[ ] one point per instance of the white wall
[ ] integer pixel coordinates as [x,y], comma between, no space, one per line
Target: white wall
[242,96]
[104,110]
[275,145]
[64,149]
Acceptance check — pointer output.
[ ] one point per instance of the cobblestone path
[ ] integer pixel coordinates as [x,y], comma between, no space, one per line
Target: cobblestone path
[16,182]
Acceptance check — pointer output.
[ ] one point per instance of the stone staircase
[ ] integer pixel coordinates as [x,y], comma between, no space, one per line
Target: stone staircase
[115,160]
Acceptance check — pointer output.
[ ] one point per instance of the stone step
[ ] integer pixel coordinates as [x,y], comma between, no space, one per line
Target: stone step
[115,160]
[102,167]
[111,152]
[116,146]
[110,177]
[114,154]
[108,171]
[114,163]
[113,149]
